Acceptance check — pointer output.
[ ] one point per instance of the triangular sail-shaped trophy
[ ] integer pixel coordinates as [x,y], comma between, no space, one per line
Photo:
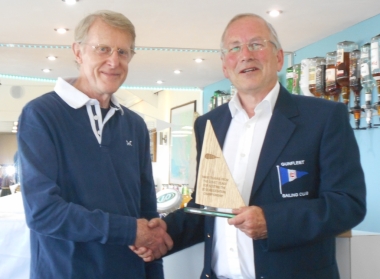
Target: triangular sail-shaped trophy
[215,184]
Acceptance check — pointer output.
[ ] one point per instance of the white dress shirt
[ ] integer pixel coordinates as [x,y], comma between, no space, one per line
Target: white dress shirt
[232,249]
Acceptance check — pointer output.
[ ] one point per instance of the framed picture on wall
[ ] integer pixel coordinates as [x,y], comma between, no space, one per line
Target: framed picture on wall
[181,136]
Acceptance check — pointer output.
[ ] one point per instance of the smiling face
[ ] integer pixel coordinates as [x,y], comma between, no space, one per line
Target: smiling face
[101,76]
[251,72]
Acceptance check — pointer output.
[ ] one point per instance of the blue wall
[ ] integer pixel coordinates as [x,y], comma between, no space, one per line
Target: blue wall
[368,140]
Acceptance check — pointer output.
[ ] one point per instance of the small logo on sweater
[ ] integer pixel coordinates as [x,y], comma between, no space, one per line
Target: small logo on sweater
[129,142]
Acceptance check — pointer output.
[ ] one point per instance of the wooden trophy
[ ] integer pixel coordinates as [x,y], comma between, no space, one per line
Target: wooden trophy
[216,190]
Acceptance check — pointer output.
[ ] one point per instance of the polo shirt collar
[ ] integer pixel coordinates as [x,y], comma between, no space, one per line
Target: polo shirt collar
[75,98]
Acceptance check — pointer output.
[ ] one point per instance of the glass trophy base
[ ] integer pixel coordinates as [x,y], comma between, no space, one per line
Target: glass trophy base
[209,211]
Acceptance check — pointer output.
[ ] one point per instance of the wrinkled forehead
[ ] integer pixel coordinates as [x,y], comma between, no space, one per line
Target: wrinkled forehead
[101,32]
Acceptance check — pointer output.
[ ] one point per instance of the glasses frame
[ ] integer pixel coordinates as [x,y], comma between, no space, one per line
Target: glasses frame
[111,51]
[252,46]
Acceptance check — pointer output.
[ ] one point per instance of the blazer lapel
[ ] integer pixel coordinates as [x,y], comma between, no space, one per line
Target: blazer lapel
[278,134]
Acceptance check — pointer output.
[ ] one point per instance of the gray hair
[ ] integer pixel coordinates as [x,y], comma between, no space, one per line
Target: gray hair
[273,33]
[111,18]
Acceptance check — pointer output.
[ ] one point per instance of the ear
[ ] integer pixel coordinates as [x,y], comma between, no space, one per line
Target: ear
[77,52]
[280,59]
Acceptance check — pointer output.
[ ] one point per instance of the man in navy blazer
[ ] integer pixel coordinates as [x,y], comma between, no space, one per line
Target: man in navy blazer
[303,174]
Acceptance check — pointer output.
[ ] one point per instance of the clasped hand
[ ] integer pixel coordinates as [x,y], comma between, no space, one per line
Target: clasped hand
[151,239]
[248,219]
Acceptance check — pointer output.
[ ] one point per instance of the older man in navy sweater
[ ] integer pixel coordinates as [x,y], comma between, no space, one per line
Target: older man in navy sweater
[86,172]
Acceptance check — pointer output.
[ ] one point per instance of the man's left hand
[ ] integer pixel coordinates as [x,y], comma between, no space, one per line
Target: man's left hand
[251,221]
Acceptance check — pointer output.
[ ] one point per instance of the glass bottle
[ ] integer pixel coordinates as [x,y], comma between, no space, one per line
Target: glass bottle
[365,68]
[332,88]
[186,197]
[366,74]
[355,86]
[354,75]
[320,72]
[367,81]
[375,64]
[312,73]
[217,99]
[342,67]
[289,79]
[304,80]
[296,79]
[317,67]
[211,104]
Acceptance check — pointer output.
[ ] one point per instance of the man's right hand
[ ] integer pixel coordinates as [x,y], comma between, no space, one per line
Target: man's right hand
[152,241]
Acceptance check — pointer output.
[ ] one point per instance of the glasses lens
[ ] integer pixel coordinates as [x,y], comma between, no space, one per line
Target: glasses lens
[256,45]
[235,49]
[103,49]
[126,53]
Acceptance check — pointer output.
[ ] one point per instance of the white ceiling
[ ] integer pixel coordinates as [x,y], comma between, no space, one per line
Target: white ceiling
[193,26]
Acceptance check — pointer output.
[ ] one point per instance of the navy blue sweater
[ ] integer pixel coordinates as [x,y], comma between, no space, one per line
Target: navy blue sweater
[82,198]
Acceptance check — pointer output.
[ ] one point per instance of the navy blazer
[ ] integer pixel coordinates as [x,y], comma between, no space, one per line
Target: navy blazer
[314,140]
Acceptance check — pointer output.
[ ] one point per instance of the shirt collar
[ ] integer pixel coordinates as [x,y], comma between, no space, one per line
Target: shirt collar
[271,98]
[75,98]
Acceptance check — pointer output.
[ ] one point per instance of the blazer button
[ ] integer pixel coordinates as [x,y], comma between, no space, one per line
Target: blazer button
[208,235]
[207,275]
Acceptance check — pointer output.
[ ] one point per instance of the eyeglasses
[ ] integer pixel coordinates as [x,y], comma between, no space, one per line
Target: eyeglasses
[255,45]
[104,51]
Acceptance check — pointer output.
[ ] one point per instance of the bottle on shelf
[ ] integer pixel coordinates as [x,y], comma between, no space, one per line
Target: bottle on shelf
[233,90]
[375,64]
[296,79]
[304,80]
[312,70]
[354,75]
[332,88]
[365,67]
[211,104]
[355,86]
[289,79]
[320,81]
[219,98]
[342,67]
[367,81]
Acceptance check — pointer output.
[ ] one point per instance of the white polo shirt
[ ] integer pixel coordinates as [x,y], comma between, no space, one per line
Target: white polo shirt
[232,249]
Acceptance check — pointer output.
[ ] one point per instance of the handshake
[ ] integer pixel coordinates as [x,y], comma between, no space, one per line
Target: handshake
[152,241]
